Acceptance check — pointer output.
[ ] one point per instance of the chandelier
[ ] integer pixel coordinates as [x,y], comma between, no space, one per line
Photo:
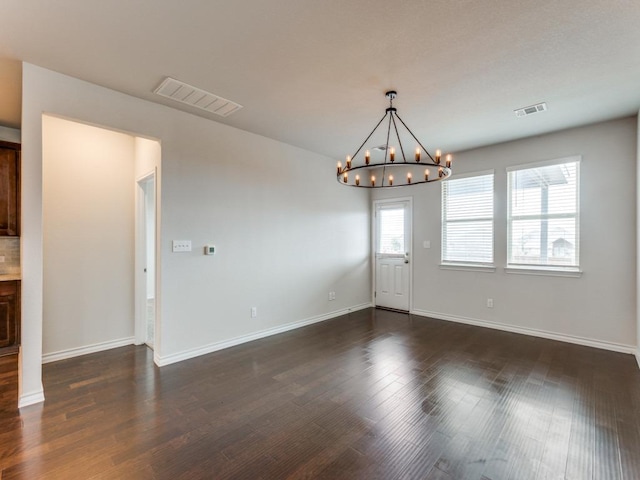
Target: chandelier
[386,164]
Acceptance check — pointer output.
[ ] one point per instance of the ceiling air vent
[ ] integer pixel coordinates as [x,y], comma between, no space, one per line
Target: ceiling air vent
[523,112]
[379,148]
[195,97]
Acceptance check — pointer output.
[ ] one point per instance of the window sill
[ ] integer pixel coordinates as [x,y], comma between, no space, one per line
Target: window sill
[468,267]
[545,272]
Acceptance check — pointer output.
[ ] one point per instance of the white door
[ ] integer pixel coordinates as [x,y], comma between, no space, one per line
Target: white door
[393,254]
[145,262]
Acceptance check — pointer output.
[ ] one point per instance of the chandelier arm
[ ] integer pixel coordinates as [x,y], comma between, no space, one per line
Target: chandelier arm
[386,150]
[414,137]
[398,137]
[366,139]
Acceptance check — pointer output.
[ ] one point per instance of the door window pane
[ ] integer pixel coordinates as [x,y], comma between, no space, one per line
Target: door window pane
[391,235]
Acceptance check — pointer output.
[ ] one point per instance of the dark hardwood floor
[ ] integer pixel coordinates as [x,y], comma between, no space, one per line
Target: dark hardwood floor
[371,395]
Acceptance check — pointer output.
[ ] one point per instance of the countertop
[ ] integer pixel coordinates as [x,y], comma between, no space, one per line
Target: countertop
[6,277]
[12,350]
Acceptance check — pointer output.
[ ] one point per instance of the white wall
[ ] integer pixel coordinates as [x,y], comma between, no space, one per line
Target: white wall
[148,163]
[150,239]
[638,244]
[601,305]
[88,227]
[147,153]
[285,230]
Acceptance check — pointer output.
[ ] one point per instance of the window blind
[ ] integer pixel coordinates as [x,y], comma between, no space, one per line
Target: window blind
[543,228]
[467,220]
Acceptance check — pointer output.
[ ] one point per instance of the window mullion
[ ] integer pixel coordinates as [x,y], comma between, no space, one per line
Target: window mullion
[542,239]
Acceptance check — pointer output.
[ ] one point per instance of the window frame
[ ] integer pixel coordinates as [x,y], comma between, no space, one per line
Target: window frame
[468,265]
[540,269]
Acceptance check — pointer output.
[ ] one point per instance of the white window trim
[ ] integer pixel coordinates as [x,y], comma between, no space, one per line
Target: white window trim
[549,270]
[468,267]
[544,163]
[489,267]
[472,174]
[544,272]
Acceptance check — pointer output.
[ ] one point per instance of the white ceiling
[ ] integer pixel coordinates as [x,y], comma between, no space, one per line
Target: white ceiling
[313,73]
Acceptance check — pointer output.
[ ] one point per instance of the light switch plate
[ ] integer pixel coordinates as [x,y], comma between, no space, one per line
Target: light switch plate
[181,246]
[426,244]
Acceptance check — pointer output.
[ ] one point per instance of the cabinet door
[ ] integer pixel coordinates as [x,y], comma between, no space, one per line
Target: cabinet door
[9,189]
[9,314]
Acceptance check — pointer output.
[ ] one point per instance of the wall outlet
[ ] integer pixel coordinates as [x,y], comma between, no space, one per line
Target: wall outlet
[181,246]
[426,244]
[254,312]
[332,296]
[489,302]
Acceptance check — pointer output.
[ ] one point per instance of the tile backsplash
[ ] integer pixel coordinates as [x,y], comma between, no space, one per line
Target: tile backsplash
[10,249]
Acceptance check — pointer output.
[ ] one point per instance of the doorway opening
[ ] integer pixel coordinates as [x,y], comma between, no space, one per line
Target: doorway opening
[392,252]
[90,236]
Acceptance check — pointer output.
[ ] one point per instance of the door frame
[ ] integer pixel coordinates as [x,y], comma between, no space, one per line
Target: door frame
[374,241]
[140,282]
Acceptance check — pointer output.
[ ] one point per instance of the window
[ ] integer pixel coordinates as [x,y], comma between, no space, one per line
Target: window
[467,220]
[391,231]
[543,222]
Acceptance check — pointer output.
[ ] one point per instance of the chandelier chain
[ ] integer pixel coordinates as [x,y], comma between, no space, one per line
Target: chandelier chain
[414,137]
[367,139]
[386,151]
[404,157]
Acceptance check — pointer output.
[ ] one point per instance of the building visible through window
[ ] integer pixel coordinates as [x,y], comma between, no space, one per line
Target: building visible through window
[543,223]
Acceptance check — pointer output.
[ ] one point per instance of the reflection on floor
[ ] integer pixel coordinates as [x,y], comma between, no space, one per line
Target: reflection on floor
[373,394]
[151,319]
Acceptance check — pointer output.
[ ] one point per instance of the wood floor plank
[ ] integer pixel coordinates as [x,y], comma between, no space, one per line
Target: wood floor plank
[372,394]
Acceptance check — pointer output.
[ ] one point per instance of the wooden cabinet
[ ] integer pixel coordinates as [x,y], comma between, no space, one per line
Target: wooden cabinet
[9,189]
[9,314]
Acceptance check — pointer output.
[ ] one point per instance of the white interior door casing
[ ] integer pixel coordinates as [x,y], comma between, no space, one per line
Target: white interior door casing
[146,262]
[392,227]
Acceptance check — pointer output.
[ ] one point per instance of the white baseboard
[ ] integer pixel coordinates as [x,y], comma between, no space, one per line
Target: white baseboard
[78,351]
[214,347]
[31,399]
[588,342]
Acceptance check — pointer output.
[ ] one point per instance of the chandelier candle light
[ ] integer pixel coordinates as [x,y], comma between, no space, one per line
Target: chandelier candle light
[415,172]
